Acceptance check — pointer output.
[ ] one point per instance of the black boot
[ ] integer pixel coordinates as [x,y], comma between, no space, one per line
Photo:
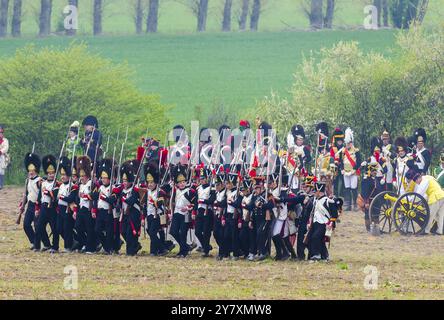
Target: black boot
[277,244]
[354,198]
[285,253]
[367,225]
[290,248]
[348,198]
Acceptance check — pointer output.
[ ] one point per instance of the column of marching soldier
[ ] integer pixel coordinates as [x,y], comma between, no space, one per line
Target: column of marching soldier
[246,205]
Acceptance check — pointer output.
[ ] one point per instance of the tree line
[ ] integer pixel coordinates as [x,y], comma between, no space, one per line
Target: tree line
[320,14]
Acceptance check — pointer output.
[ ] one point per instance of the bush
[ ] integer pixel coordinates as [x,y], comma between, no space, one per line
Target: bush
[344,86]
[43,91]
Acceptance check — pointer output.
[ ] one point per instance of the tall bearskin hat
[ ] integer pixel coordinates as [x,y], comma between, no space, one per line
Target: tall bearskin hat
[322,128]
[375,144]
[49,164]
[246,184]
[320,186]
[105,168]
[420,135]
[179,173]
[298,131]
[203,172]
[401,144]
[151,173]
[74,169]
[385,134]
[338,135]
[266,127]
[84,166]
[128,171]
[221,177]
[32,162]
[65,166]
[349,135]
[91,121]
[232,177]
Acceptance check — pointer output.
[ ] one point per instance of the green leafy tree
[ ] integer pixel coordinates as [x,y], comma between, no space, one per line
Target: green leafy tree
[43,91]
[344,86]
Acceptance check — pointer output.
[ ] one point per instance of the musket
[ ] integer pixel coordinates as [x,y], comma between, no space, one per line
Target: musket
[121,155]
[107,148]
[89,142]
[317,153]
[23,203]
[136,181]
[72,166]
[58,167]
[306,237]
[190,171]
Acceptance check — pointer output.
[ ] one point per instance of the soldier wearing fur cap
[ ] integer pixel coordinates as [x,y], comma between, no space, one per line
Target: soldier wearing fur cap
[32,201]
[47,213]
[247,232]
[105,200]
[131,210]
[185,200]
[261,208]
[67,202]
[423,156]
[206,196]
[155,209]
[220,206]
[325,213]
[232,220]
[85,224]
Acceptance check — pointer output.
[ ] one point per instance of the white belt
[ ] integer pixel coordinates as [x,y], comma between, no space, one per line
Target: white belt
[202,206]
[63,203]
[103,205]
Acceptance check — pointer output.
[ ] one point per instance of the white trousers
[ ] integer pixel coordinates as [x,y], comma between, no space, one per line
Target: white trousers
[436,214]
[351,181]
[277,228]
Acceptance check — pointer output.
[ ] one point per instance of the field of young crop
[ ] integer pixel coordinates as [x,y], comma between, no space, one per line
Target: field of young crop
[207,70]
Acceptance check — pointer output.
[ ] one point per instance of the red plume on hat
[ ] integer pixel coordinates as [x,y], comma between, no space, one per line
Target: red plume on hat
[244,123]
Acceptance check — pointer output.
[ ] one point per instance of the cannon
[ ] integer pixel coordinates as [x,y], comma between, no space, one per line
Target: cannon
[407,214]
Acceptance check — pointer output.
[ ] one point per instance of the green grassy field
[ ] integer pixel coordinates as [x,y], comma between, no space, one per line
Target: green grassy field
[205,70]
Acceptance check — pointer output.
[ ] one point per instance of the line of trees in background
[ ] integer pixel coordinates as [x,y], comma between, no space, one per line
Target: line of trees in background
[367,91]
[320,14]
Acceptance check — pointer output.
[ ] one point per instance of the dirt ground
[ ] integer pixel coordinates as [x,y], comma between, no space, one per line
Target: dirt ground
[406,268]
